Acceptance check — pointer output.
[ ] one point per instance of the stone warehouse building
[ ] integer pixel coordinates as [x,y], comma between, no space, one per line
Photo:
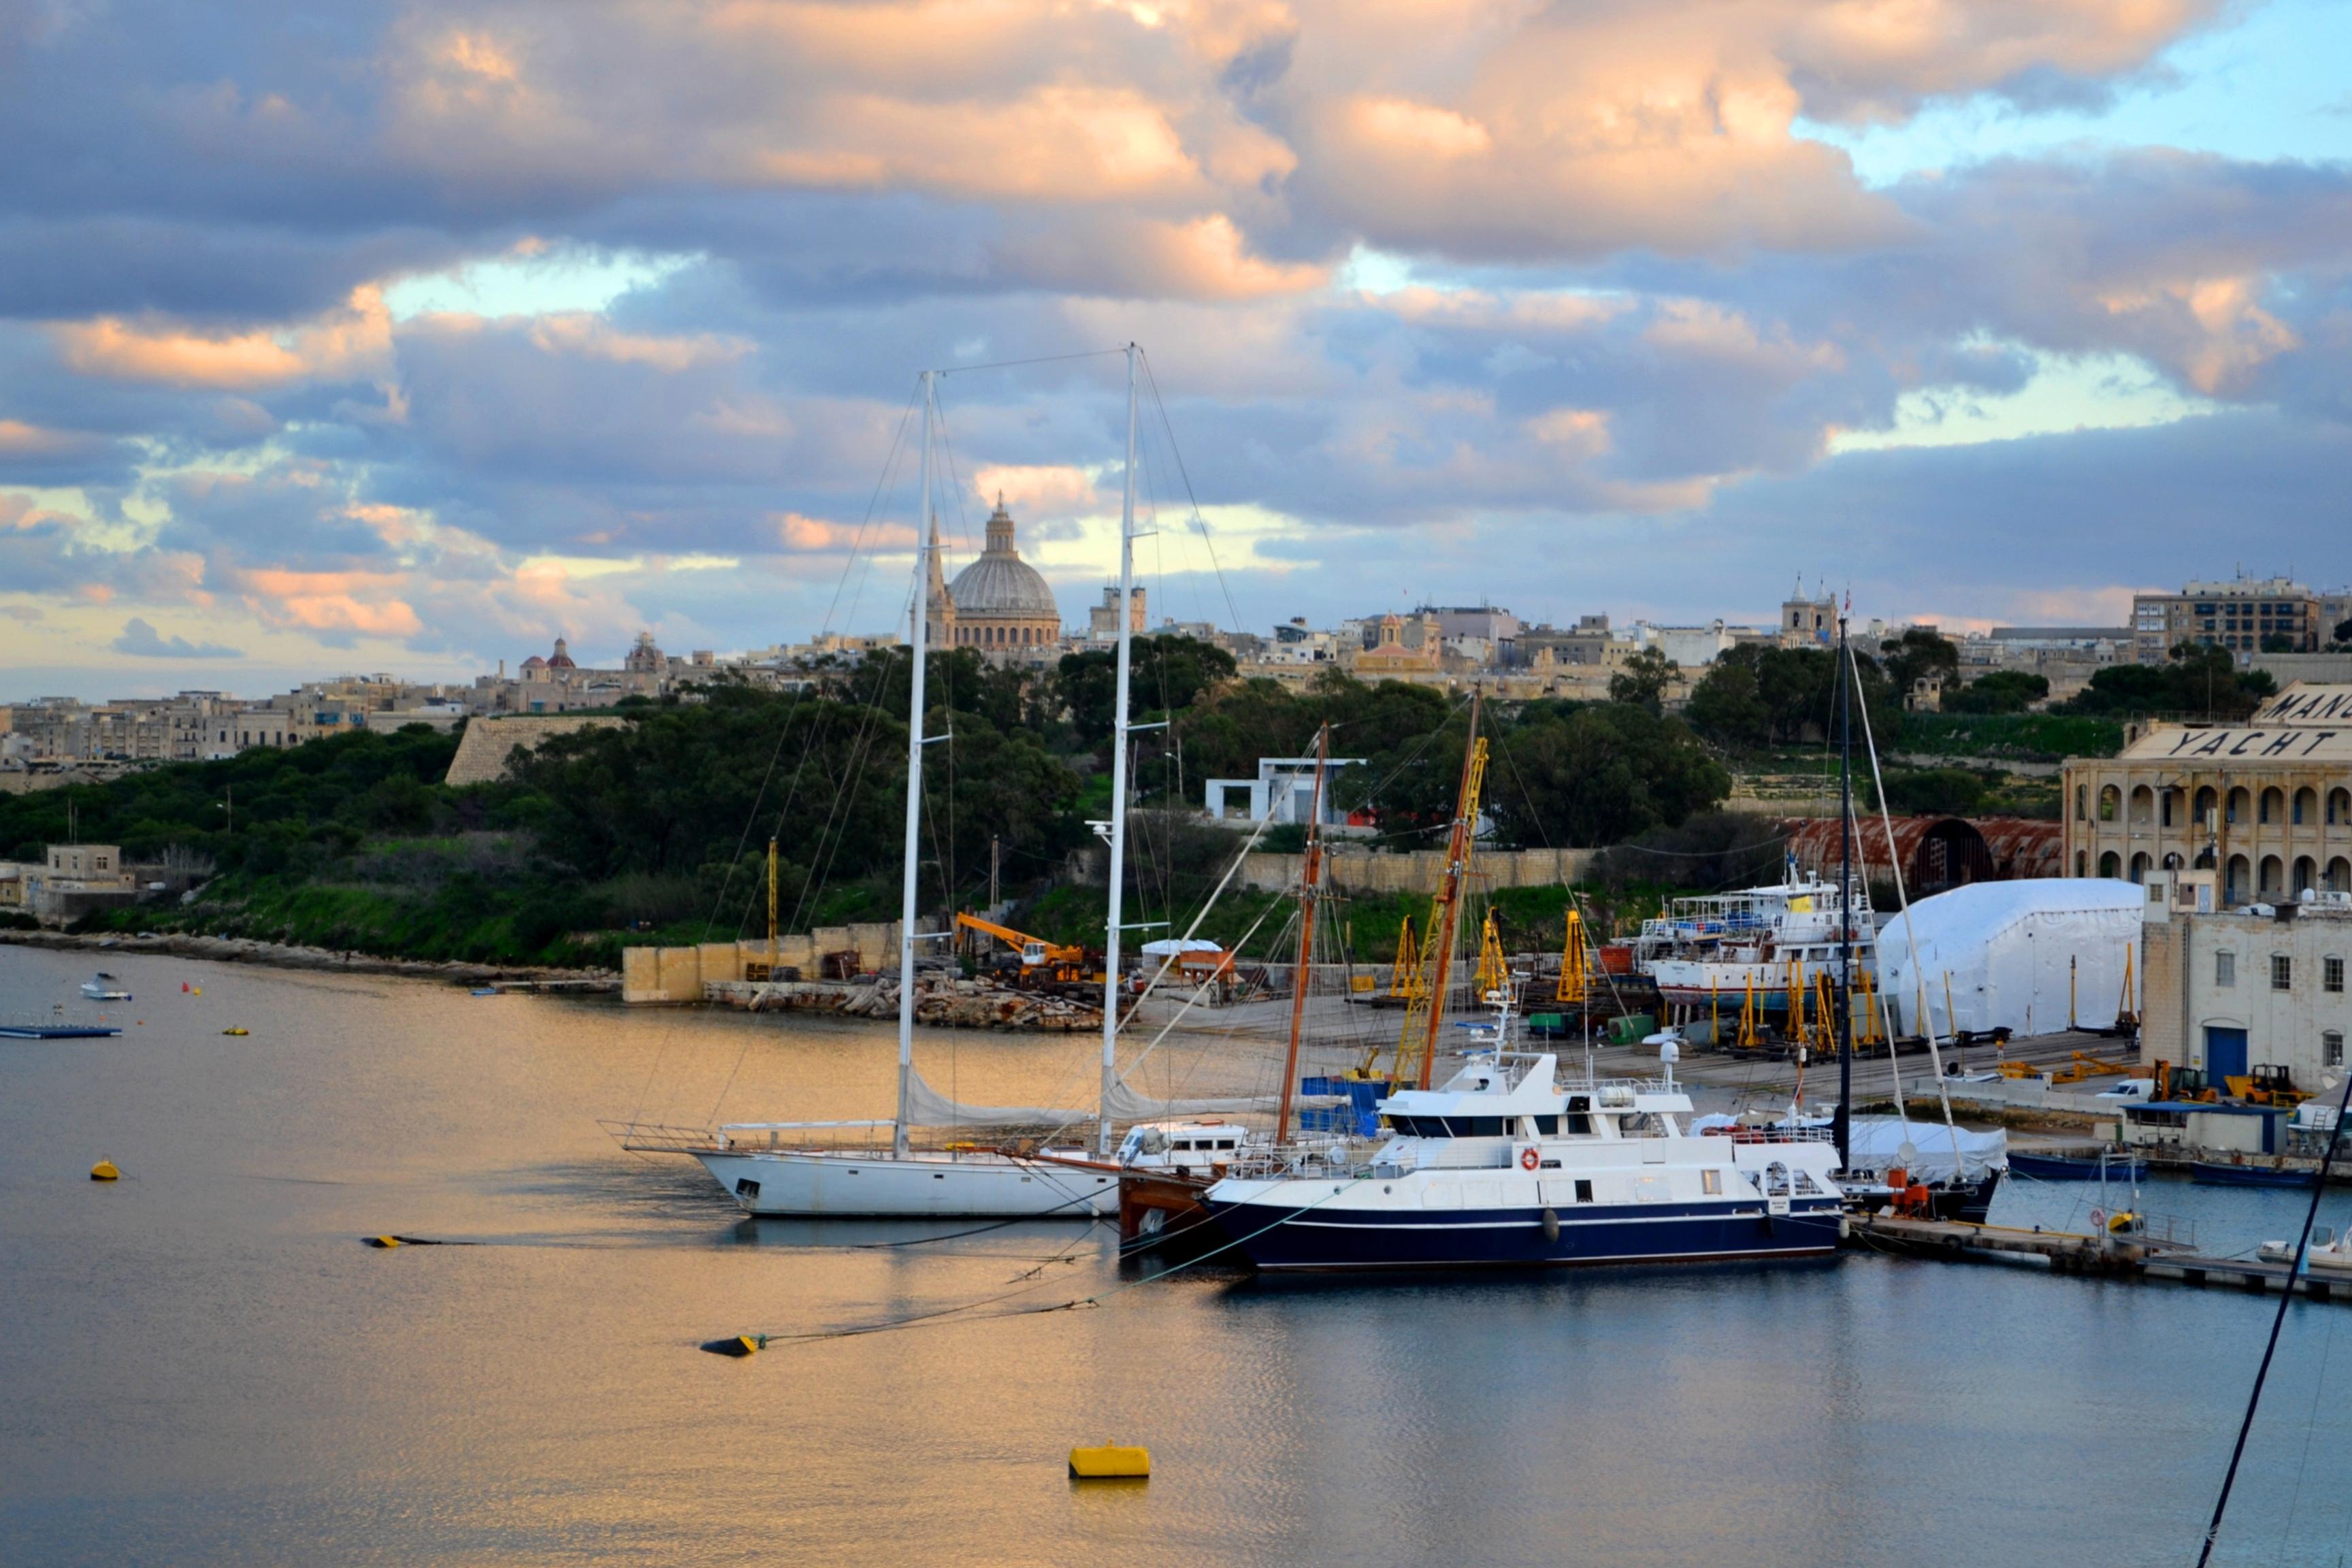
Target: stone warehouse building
[2267,804]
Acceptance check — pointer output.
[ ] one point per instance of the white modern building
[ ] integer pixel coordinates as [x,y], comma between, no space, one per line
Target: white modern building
[1282,791]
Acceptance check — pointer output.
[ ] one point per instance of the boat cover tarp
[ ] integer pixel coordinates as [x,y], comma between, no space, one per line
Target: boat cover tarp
[1877,1144]
[2006,953]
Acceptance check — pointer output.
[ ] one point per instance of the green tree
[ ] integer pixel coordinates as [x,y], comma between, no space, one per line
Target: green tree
[1787,694]
[1643,680]
[1728,706]
[1919,652]
[2198,679]
[1598,775]
[1999,691]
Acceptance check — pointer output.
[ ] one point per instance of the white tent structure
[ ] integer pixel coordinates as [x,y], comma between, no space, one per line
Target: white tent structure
[2029,956]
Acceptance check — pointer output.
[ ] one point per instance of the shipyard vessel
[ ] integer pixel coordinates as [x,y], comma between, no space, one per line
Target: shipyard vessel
[1505,1166]
[1722,950]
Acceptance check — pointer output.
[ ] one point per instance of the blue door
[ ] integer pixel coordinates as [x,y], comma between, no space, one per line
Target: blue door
[2225,1055]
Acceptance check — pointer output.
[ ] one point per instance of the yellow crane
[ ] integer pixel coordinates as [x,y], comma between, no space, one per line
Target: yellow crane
[1424,1013]
[1493,972]
[1405,979]
[1575,965]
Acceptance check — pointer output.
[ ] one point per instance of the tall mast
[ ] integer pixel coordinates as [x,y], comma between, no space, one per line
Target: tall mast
[1118,779]
[1457,864]
[1844,1021]
[1308,877]
[914,787]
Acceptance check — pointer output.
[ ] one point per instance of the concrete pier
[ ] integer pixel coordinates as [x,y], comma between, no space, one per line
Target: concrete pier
[2072,1252]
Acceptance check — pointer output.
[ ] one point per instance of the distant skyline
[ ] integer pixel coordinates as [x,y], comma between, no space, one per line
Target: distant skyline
[409,338]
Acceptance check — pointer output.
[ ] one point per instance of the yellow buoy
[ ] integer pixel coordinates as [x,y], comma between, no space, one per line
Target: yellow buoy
[197,992]
[105,1171]
[236,1031]
[386,1241]
[1110,1463]
[737,1345]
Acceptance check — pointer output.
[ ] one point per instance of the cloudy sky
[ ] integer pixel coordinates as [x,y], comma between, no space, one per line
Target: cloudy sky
[408,336]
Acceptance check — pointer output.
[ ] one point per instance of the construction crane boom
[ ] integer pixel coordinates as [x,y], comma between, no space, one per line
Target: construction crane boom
[1425,1010]
[1036,953]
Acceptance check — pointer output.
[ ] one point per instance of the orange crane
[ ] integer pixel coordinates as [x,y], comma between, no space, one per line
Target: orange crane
[1040,959]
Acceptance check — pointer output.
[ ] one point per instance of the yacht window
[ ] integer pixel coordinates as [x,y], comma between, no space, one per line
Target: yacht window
[1583,1192]
[1711,1183]
[1547,1125]
[1185,1144]
[1224,1142]
[1579,1125]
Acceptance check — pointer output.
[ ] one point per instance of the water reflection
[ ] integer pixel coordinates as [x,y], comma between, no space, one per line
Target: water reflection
[203,1366]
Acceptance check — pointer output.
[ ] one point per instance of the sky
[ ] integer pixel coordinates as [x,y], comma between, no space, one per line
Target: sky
[409,337]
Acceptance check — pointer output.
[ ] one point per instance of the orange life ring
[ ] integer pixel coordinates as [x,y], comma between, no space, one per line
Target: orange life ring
[1527,1159]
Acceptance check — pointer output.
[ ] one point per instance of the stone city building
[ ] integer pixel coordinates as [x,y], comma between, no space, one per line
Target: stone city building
[2230,992]
[2267,803]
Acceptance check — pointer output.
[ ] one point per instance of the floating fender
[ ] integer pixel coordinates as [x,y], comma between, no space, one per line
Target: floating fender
[1551,1225]
[105,1171]
[1110,1462]
[739,1346]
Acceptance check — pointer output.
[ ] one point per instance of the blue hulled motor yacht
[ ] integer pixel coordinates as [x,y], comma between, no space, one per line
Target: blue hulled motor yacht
[1504,1167]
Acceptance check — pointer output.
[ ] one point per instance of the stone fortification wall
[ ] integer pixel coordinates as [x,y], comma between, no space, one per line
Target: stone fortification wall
[1419,871]
[679,974]
[483,750]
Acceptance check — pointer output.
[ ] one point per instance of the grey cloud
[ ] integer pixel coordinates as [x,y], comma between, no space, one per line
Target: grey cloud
[141,640]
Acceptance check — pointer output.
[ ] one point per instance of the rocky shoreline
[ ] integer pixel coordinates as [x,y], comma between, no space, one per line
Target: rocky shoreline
[279,955]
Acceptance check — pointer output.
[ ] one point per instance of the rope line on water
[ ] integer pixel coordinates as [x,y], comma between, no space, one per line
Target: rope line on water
[970,1311]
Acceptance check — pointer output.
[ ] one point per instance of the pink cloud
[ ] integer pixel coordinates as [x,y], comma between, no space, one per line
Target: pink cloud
[353,341]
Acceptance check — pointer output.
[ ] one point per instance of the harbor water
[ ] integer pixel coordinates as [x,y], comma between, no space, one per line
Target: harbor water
[202,1363]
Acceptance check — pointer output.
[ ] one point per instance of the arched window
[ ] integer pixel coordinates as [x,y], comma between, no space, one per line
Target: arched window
[2274,806]
[2143,807]
[2306,807]
[2082,862]
[2110,864]
[2240,803]
[2339,875]
[2172,862]
[2234,885]
[2082,802]
[2273,878]
[2139,868]
[2206,802]
[2339,807]
[2306,876]
[2111,801]
[2171,806]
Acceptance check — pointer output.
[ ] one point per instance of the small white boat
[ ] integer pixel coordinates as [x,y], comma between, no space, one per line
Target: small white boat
[2328,1254]
[105,988]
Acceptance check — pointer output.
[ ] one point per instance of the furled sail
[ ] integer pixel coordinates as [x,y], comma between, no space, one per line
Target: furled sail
[926,1107]
[1127,1104]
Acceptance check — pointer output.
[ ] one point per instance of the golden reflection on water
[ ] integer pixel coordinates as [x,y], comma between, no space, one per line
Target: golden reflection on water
[204,1364]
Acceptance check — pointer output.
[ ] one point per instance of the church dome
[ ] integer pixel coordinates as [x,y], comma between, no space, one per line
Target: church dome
[1000,582]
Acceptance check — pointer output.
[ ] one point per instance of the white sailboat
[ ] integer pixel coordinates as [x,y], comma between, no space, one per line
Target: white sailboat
[752,1161]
